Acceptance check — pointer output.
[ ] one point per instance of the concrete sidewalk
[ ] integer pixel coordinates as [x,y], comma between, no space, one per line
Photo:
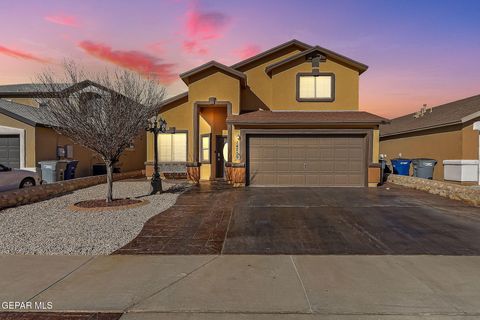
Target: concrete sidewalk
[249,287]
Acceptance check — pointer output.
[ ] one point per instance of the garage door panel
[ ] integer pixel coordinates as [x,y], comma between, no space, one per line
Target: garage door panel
[283,153]
[341,153]
[307,160]
[10,150]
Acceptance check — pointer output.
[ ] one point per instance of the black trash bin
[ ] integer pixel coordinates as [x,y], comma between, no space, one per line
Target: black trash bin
[423,168]
[70,171]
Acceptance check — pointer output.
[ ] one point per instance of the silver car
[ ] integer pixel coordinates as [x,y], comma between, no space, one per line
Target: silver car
[17,178]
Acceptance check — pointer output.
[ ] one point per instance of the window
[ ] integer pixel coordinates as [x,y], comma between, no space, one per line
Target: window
[316,87]
[205,148]
[172,147]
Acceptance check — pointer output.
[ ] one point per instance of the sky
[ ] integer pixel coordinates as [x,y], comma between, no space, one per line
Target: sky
[418,52]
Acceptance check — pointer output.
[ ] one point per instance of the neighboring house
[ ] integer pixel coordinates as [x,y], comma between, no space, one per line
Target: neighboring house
[26,137]
[442,133]
[285,117]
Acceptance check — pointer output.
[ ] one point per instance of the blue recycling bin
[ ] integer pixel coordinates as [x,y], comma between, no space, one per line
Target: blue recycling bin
[70,170]
[401,166]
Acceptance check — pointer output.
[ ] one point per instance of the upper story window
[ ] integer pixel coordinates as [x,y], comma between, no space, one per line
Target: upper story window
[316,87]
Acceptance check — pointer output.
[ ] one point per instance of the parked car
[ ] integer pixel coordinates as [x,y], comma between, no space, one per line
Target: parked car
[17,178]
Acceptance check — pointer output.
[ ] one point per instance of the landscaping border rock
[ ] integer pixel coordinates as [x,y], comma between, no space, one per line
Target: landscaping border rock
[42,192]
[441,188]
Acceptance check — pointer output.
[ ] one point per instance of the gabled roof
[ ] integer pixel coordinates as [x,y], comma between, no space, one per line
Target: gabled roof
[273,50]
[27,114]
[214,64]
[233,69]
[452,113]
[22,90]
[305,117]
[39,90]
[317,49]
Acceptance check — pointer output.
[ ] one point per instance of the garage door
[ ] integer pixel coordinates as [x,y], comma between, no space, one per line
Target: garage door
[10,150]
[307,160]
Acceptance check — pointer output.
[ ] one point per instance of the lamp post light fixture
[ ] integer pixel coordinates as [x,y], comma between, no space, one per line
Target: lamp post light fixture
[156,126]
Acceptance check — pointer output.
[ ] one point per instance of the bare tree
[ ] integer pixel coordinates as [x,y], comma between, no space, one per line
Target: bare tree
[104,111]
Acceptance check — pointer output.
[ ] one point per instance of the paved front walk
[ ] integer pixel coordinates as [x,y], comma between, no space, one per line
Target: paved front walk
[249,287]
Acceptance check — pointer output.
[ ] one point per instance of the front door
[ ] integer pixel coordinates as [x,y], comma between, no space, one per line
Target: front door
[219,159]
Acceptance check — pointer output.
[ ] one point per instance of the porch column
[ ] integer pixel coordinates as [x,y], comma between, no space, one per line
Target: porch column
[230,142]
[196,138]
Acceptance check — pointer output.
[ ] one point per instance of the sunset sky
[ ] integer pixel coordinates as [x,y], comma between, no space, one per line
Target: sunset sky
[417,51]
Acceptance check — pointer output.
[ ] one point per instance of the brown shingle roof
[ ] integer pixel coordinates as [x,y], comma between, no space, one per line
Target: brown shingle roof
[451,113]
[306,117]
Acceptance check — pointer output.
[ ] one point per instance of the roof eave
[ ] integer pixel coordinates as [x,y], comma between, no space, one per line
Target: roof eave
[19,118]
[289,123]
[270,51]
[452,123]
[352,63]
[213,64]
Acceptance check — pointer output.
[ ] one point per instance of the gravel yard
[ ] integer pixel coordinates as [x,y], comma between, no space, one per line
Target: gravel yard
[50,227]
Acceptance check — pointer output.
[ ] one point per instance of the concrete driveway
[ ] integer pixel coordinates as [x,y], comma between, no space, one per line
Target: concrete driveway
[215,218]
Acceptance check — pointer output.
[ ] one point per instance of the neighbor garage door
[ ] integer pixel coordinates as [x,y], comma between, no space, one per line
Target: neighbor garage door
[10,150]
[336,160]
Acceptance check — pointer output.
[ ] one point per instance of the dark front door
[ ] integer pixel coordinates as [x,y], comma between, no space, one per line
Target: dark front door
[219,159]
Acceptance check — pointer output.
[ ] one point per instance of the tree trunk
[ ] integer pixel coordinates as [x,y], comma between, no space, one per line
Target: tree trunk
[109,165]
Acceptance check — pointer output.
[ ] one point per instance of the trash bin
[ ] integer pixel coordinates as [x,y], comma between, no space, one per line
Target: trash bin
[401,166]
[53,170]
[70,170]
[383,165]
[423,168]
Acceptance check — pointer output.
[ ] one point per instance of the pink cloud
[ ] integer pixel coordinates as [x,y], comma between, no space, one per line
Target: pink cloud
[140,62]
[19,54]
[201,26]
[157,47]
[193,46]
[63,20]
[205,25]
[248,51]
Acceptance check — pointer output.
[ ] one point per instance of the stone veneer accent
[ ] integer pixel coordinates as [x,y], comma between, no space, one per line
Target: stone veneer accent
[441,188]
[193,173]
[42,192]
[236,174]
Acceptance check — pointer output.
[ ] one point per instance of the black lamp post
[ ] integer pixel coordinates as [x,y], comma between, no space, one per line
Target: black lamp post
[156,126]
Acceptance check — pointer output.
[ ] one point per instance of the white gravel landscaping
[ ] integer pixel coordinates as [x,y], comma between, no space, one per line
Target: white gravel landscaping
[49,227]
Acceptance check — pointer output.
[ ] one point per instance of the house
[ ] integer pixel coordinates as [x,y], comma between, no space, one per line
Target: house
[442,133]
[26,137]
[288,116]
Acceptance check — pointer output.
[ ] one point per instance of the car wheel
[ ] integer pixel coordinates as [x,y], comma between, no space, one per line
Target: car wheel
[27,182]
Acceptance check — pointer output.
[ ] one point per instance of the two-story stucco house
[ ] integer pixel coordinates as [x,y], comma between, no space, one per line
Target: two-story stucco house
[288,116]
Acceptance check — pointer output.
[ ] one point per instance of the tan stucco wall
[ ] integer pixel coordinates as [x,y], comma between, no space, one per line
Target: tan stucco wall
[439,144]
[47,141]
[29,138]
[469,141]
[285,87]
[259,91]
[213,83]
[375,146]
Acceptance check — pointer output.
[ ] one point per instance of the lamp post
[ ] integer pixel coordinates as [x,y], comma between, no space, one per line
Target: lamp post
[156,126]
